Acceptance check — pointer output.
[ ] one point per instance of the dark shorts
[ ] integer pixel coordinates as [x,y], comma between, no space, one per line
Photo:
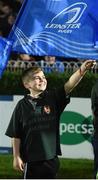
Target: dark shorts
[42,169]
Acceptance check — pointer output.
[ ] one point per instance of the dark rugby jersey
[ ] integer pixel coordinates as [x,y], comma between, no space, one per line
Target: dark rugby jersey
[36,123]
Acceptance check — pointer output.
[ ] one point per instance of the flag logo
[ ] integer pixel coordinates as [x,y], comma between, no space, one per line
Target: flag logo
[71,14]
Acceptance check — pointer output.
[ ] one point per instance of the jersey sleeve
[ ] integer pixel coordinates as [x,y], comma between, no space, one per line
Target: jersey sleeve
[62,99]
[14,128]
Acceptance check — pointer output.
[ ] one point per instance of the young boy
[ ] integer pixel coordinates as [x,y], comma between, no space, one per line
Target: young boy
[34,125]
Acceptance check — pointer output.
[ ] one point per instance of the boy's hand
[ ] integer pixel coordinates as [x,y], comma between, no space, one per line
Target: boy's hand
[88,64]
[18,163]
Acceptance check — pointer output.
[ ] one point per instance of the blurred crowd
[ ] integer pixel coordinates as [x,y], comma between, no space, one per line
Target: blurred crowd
[8,13]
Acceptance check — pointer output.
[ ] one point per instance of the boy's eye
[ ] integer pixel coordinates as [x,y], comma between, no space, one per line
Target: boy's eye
[38,78]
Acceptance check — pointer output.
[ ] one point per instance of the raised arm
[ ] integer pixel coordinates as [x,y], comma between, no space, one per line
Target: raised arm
[78,75]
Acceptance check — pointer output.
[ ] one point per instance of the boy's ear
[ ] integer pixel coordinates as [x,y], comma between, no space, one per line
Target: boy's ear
[26,85]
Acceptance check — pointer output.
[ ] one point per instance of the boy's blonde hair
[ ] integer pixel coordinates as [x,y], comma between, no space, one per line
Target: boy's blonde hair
[28,73]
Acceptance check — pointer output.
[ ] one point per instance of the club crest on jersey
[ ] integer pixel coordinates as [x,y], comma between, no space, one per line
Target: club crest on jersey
[46,109]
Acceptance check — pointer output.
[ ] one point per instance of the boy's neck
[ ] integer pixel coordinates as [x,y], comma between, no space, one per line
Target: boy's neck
[35,95]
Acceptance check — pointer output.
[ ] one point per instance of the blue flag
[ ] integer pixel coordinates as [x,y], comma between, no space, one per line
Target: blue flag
[67,28]
[5,50]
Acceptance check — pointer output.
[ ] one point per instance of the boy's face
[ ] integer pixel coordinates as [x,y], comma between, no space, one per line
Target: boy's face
[37,83]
